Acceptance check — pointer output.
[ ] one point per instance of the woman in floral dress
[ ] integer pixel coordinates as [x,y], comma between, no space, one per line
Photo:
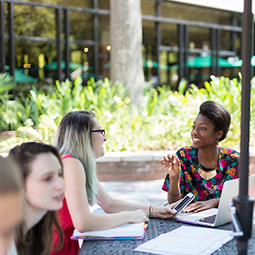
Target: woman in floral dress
[204,167]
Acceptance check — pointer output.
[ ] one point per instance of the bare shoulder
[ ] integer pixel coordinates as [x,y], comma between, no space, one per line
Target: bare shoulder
[73,166]
[75,182]
[73,162]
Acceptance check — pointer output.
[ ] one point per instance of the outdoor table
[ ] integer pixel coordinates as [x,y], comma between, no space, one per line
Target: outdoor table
[155,228]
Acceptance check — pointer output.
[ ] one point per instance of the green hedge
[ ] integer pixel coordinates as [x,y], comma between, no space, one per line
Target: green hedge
[164,122]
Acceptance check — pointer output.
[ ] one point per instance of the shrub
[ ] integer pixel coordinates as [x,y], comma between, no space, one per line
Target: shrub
[164,121]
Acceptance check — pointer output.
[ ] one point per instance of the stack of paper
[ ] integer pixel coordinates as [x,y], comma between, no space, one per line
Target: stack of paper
[187,240]
[126,231]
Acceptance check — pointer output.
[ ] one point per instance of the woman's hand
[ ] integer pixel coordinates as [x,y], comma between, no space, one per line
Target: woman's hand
[171,165]
[137,216]
[202,205]
[165,211]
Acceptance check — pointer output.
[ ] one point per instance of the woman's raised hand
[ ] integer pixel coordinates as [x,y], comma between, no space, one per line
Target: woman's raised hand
[171,165]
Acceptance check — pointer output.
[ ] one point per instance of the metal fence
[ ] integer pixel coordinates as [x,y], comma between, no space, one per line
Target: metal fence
[62,20]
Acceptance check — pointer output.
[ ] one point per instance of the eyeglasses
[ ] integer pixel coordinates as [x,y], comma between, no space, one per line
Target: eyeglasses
[101,131]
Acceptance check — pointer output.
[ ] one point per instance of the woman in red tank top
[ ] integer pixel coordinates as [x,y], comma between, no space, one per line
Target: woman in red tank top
[80,140]
[70,246]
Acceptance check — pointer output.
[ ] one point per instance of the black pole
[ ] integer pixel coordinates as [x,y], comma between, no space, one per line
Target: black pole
[158,29]
[67,44]
[244,203]
[11,38]
[58,43]
[96,47]
[2,39]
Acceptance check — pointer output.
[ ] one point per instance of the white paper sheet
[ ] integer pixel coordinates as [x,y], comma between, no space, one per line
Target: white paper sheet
[187,241]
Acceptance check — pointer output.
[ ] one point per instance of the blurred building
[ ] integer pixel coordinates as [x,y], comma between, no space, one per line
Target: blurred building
[36,34]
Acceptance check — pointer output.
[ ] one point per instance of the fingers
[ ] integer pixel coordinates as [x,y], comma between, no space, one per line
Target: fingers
[167,162]
[172,205]
[139,216]
[170,159]
[196,207]
[192,207]
[167,159]
[200,209]
[146,219]
[176,160]
[208,204]
[166,211]
[167,216]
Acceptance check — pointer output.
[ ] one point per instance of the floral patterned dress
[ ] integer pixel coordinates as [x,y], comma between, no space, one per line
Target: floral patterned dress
[191,181]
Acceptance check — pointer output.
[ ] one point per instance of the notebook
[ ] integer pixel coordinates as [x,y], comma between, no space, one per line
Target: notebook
[218,216]
[123,232]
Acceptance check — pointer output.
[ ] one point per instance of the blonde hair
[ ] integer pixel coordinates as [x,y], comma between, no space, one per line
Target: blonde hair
[74,137]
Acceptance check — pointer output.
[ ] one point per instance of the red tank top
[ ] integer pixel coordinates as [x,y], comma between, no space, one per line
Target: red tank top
[70,247]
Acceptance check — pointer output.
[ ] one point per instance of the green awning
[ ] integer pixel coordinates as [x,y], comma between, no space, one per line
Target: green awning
[21,77]
[206,61]
[54,65]
[240,62]
[153,64]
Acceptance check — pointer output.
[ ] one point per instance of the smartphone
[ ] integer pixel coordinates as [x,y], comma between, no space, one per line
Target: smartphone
[183,203]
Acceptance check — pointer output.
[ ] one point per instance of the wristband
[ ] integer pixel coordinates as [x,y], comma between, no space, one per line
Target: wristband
[151,211]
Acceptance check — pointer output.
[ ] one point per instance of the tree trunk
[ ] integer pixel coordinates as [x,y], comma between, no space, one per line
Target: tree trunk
[126,43]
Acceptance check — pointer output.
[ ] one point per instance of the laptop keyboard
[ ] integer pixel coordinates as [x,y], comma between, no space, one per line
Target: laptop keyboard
[210,219]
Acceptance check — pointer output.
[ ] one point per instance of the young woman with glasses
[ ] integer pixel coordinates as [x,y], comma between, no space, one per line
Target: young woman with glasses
[80,140]
[204,167]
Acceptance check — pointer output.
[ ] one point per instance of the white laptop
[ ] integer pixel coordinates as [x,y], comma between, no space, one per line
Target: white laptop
[215,217]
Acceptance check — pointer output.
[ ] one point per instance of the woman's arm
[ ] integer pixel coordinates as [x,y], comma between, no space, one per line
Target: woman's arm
[111,205]
[172,166]
[174,192]
[77,201]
